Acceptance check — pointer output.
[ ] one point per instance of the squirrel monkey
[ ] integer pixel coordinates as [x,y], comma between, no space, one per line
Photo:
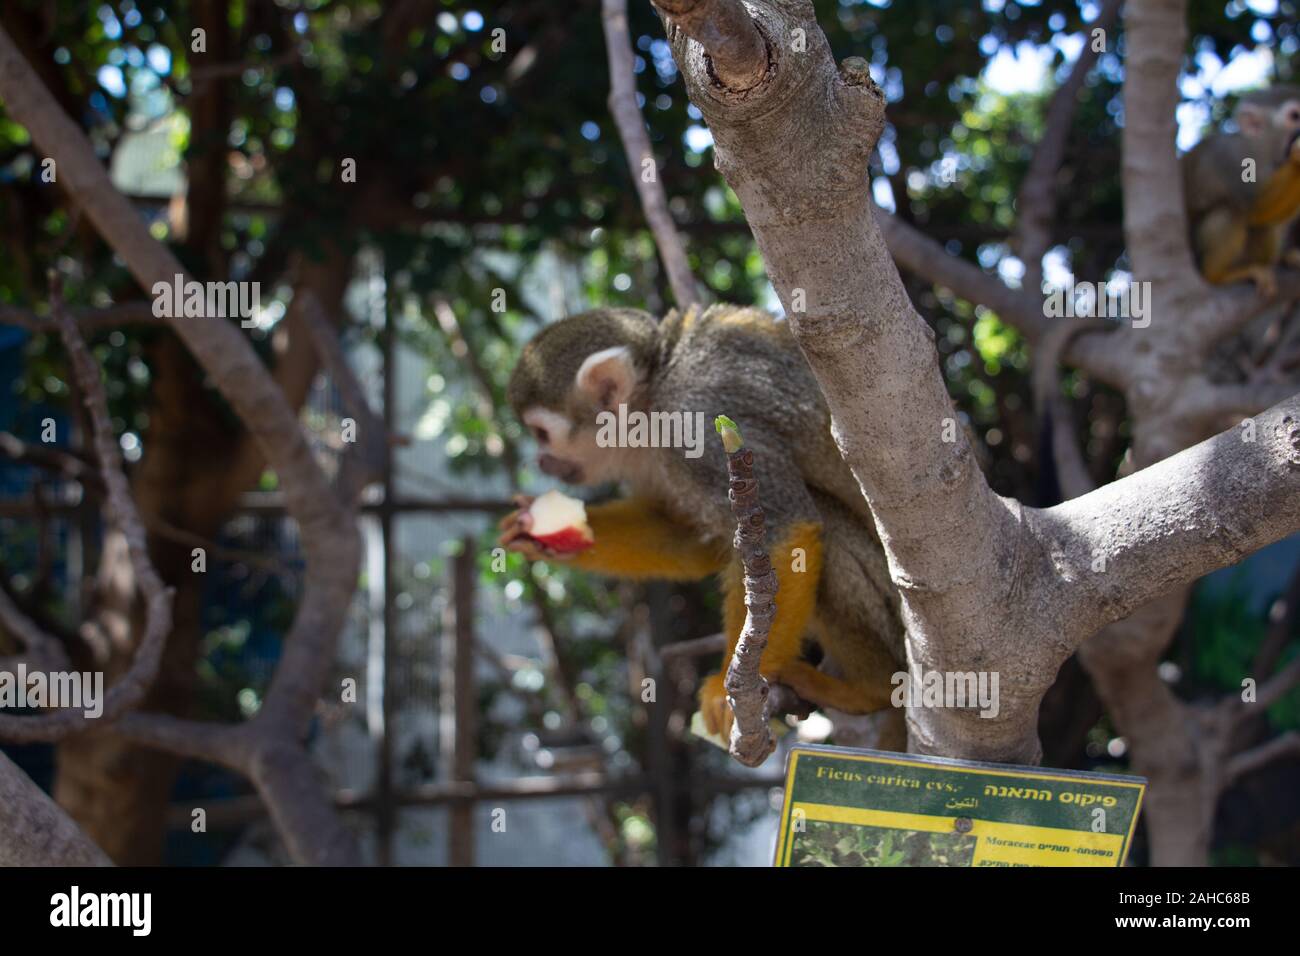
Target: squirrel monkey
[676,522]
[1239,227]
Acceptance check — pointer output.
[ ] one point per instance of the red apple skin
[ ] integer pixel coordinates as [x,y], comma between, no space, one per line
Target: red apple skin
[568,540]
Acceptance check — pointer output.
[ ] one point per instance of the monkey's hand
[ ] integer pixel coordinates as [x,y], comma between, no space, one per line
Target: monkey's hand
[714,707]
[1265,279]
[516,534]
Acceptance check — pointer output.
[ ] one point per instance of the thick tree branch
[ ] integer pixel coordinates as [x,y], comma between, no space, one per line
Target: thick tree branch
[733,49]
[1172,522]
[636,144]
[36,831]
[794,149]
[1155,223]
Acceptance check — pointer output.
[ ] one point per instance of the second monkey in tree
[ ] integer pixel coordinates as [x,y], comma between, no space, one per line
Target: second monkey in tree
[676,523]
[1242,191]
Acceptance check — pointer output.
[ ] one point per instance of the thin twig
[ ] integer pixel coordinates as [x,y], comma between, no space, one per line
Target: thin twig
[122,513]
[1055,412]
[747,689]
[364,465]
[40,650]
[89,321]
[696,647]
[1287,744]
[631,129]
[1037,200]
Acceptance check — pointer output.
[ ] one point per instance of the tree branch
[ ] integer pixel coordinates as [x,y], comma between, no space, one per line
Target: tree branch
[1279,685]
[40,650]
[636,144]
[1172,522]
[327,528]
[1155,222]
[1022,309]
[36,831]
[364,464]
[747,689]
[1037,200]
[89,321]
[126,693]
[733,50]
[1284,745]
[1071,466]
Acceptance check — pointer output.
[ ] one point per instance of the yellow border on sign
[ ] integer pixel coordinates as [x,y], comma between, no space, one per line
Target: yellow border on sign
[784,847]
[1113,843]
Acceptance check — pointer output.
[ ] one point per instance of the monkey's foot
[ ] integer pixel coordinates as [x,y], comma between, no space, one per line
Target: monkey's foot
[714,707]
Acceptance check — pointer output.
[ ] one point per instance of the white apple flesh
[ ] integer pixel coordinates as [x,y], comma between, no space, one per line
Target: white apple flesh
[560,523]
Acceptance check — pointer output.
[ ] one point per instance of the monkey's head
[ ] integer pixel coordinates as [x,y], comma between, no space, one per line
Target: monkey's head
[1272,114]
[572,371]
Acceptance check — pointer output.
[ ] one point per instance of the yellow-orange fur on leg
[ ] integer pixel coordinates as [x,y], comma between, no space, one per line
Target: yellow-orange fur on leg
[796,600]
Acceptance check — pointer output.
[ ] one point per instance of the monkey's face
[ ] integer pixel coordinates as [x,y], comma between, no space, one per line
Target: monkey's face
[1275,118]
[567,449]
[561,388]
[1286,119]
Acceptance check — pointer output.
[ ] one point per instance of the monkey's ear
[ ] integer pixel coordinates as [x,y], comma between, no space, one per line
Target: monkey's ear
[1251,118]
[608,377]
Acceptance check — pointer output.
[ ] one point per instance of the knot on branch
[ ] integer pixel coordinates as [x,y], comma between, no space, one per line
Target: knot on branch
[957,464]
[741,488]
[760,589]
[1291,437]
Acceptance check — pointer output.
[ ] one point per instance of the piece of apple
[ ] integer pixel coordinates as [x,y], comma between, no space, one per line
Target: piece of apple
[560,523]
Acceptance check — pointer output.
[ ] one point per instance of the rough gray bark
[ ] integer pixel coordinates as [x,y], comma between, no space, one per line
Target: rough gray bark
[1033,584]
[747,690]
[1160,370]
[35,832]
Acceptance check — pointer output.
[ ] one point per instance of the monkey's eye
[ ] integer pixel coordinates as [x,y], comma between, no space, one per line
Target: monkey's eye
[541,434]
[1293,114]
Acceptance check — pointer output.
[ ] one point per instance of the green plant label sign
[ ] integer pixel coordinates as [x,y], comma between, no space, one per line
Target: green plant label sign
[867,808]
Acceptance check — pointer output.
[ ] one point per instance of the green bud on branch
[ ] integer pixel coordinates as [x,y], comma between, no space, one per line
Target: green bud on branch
[730,433]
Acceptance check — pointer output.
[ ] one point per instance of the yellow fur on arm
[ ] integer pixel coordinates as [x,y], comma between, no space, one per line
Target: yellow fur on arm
[1280,198]
[635,540]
